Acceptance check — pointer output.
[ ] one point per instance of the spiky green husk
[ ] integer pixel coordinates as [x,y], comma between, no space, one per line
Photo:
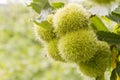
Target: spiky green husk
[78,46]
[50,18]
[102,1]
[97,65]
[53,50]
[70,18]
[45,34]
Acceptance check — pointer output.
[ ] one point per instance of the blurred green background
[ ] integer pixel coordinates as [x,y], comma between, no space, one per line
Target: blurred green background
[21,56]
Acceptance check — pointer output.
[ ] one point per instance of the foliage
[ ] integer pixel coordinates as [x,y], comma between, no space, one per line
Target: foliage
[38,5]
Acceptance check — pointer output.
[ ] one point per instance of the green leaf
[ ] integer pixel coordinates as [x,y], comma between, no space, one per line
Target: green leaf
[57,5]
[109,23]
[109,37]
[117,29]
[113,75]
[117,10]
[115,15]
[97,24]
[38,5]
[41,20]
[43,24]
[118,68]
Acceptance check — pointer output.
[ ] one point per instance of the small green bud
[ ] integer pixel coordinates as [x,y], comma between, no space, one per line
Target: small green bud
[78,46]
[97,65]
[45,34]
[53,50]
[70,18]
[50,18]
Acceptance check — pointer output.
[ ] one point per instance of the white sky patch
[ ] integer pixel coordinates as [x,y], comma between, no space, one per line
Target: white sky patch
[17,1]
[14,1]
[104,10]
[3,1]
[77,1]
